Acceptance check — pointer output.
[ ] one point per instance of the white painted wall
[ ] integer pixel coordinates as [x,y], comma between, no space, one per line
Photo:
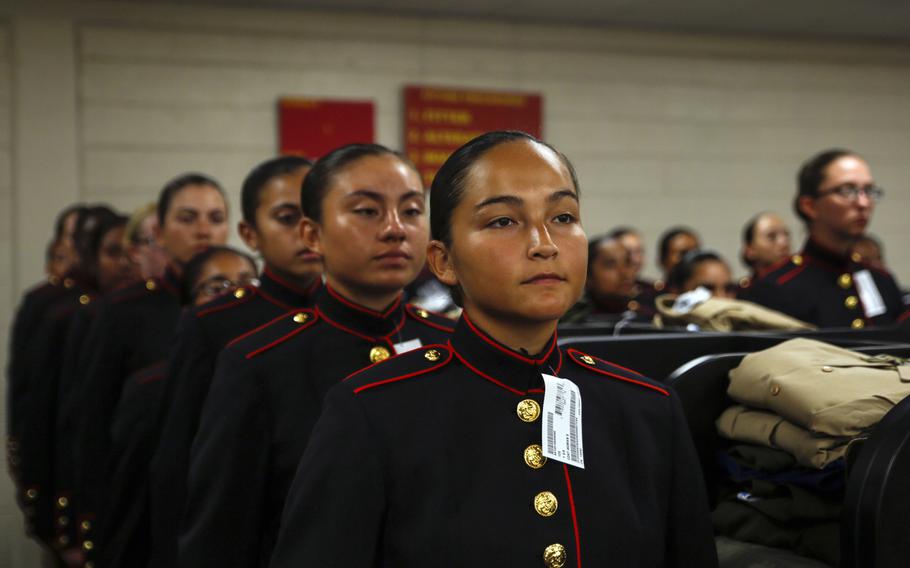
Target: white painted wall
[106,101]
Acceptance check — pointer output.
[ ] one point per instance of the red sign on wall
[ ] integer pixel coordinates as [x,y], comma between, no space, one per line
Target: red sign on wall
[314,127]
[438,121]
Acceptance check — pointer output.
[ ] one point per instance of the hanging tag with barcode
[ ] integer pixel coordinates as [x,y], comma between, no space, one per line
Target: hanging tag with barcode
[873,304]
[562,440]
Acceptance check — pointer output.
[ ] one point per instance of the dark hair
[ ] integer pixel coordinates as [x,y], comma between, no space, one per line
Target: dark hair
[95,237]
[811,175]
[449,183]
[620,232]
[594,243]
[687,265]
[176,185]
[749,237]
[669,235]
[60,220]
[261,175]
[88,222]
[318,180]
[194,267]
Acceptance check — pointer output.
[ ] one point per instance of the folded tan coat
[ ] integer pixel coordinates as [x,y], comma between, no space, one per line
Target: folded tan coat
[767,429]
[822,388]
[721,314]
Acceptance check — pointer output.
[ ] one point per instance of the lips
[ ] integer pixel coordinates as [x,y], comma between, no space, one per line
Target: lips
[394,254]
[544,278]
[309,256]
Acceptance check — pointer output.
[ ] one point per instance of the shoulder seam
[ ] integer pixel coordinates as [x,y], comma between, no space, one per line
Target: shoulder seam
[656,388]
[437,365]
[410,309]
[283,338]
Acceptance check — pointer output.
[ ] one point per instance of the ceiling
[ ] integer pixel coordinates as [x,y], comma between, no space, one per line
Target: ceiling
[878,20]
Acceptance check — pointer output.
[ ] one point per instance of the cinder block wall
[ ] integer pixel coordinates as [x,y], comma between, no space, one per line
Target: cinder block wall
[106,101]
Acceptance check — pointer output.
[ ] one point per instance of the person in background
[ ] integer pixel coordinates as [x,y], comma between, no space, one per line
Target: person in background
[673,244]
[271,225]
[215,272]
[435,458]
[646,291]
[134,329]
[142,249]
[766,242]
[58,259]
[702,269]
[826,284]
[870,250]
[609,285]
[364,208]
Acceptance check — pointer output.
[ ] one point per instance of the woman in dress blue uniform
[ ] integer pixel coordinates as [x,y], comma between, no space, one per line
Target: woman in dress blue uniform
[435,458]
[826,284]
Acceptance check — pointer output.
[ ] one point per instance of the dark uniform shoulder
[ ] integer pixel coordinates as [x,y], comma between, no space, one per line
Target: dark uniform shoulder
[225,302]
[613,371]
[272,333]
[401,367]
[429,318]
[146,288]
[782,271]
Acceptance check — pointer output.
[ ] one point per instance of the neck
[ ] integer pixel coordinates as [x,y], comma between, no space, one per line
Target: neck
[298,283]
[376,300]
[834,242]
[528,337]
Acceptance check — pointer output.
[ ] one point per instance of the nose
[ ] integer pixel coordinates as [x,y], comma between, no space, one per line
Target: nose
[392,227]
[863,201]
[541,243]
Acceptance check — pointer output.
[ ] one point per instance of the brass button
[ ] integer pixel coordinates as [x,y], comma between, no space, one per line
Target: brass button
[851,302]
[633,306]
[150,284]
[300,317]
[856,257]
[554,556]
[745,282]
[423,313]
[432,355]
[63,540]
[845,280]
[68,283]
[659,285]
[239,293]
[379,353]
[63,520]
[62,502]
[88,545]
[31,494]
[528,410]
[534,457]
[545,504]
[84,299]
[587,359]
[797,259]
[775,390]
[85,526]
[857,324]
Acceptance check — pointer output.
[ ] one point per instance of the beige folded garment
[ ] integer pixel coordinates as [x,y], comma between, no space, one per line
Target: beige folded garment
[721,314]
[817,386]
[767,429]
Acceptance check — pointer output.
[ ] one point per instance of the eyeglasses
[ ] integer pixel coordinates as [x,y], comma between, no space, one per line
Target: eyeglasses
[218,285]
[851,191]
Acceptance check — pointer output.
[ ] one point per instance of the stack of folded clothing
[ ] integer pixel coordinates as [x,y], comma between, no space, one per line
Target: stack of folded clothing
[802,404]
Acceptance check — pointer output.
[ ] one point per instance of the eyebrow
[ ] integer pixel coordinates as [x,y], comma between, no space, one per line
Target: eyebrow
[376,196]
[513,200]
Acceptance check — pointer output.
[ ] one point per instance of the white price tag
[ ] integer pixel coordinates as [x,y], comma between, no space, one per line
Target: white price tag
[409,345]
[562,440]
[869,295]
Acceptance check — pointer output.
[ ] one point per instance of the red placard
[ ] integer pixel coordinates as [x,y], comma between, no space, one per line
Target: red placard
[314,127]
[439,120]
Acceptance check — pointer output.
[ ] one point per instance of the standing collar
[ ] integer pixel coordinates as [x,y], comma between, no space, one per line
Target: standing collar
[279,291]
[356,319]
[826,258]
[511,370]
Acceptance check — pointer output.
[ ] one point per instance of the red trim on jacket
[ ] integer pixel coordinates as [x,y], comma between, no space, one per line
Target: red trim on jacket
[574,515]
[573,351]
[246,334]
[282,339]
[267,271]
[410,308]
[487,339]
[903,316]
[250,292]
[361,335]
[362,388]
[484,375]
[791,275]
[363,309]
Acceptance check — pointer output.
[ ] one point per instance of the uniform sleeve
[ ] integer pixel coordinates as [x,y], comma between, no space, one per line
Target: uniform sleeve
[690,535]
[229,459]
[334,512]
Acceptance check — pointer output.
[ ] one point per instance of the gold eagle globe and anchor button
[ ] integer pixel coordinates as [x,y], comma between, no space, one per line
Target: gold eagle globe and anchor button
[858,324]
[239,293]
[528,410]
[379,353]
[300,317]
[851,302]
[554,556]
[534,457]
[150,284]
[845,280]
[432,355]
[545,504]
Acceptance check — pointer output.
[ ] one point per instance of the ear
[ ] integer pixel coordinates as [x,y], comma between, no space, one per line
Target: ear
[311,233]
[748,252]
[440,262]
[249,235]
[806,204]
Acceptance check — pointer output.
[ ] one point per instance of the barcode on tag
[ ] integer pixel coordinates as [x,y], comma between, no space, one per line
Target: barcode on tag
[561,428]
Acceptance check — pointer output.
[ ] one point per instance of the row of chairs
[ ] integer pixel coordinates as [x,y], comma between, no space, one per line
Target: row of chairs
[876,513]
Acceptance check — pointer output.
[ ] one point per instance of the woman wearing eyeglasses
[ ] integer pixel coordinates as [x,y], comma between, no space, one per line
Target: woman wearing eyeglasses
[825,284]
